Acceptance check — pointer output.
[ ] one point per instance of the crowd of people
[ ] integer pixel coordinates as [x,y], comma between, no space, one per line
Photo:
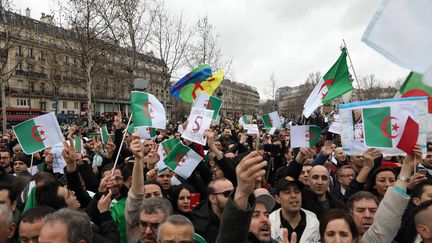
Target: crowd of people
[242,191]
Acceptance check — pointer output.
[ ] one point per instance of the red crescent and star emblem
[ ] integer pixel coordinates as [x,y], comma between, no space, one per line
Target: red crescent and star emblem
[181,159]
[394,127]
[165,151]
[148,110]
[38,133]
[207,104]
[309,135]
[328,82]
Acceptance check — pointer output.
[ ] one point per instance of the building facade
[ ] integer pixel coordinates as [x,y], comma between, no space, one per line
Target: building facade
[238,99]
[43,74]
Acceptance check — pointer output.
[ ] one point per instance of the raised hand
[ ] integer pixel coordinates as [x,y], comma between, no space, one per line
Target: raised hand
[327,149]
[304,152]
[69,155]
[285,236]
[248,171]
[137,147]
[369,157]
[97,145]
[152,157]
[105,202]
[117,120]
[110,148]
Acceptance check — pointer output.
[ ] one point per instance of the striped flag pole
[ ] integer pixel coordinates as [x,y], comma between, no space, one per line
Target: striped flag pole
[121,145]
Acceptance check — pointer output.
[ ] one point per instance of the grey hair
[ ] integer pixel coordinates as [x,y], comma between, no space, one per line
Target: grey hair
[77,223]
[175,219]
[153,204]
[6,215]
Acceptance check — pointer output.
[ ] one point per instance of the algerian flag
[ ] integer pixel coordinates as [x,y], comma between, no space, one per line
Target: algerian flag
[38,133]
[143,132]
[182,160]
[166,146]
[272,120]
[401,31]
[104,134]
[205,101]
[244,120]
[147,110]
[333,84]
[384,126]
[77,144]
[305,136]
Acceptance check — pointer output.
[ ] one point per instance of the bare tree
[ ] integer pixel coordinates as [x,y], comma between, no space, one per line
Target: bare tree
[203,49]
[89,41]
[371,86]
[170,38]
[9,63]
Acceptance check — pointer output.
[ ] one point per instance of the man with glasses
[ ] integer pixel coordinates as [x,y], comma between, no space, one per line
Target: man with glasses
[152,212]
[207,215]
[5,161]
[344,176]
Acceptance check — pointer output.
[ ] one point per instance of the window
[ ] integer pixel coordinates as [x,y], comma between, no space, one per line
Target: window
[19,66]
[22,102]
[30,53]
[42,88]
[18,51]
[29,67]
[31,86]
[76,105]
[42,69]
[64,104]
[66,59]
[42,56]
[43,106]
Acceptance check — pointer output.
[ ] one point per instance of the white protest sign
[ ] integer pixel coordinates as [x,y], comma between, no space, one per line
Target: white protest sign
[352,132]
[251,128]
[58,161]
[199,120]
[335,125]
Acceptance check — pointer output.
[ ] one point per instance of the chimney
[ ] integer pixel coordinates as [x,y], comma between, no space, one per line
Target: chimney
[27,11]
[46,18]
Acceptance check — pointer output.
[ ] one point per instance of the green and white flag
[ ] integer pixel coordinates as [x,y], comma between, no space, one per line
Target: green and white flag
[143,132]
[205,101]
[104,134]
[182,160]
[384,126]
[77,143]
[272,120]
[166,146]
[244,120]
[38,133]
[305,136]
[147,110]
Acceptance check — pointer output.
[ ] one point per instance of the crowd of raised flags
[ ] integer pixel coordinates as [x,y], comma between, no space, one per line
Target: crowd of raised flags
[392,127]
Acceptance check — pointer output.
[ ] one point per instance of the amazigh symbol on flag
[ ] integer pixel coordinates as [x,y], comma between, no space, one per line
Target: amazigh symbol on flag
[38,133]
[388,127]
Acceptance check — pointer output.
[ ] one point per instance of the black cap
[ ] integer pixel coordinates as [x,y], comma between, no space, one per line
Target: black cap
[283,183]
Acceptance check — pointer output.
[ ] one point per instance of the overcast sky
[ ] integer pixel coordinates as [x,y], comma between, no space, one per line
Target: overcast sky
[291,38]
